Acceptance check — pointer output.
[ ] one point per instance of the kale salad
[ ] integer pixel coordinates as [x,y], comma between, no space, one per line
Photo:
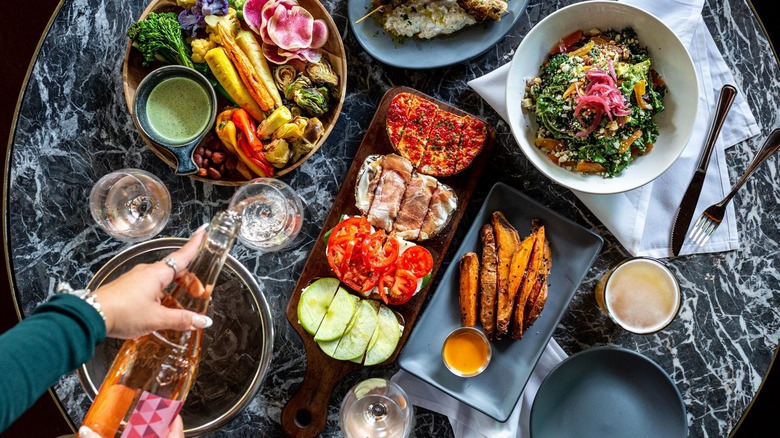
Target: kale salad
[595,100]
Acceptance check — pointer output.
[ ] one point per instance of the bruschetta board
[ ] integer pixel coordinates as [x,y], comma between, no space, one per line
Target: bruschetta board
[305,413]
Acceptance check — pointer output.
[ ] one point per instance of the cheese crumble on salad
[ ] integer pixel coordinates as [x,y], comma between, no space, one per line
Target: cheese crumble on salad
[595,100]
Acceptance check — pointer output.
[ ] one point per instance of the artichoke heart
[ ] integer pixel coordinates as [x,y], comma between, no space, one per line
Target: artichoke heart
[322,73]
[301,81]
[314,101]
[313,131]
[284,75]
[278,117]
[277,152]
[292,130]
[311,135]
[299,148]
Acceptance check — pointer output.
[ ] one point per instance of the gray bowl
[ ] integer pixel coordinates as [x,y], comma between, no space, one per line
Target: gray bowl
[181,151]
[236,350]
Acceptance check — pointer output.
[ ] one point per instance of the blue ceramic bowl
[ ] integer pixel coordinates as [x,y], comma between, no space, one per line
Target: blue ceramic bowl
[151,122]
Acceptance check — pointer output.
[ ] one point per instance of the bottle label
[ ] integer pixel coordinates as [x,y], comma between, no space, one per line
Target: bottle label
[152,416]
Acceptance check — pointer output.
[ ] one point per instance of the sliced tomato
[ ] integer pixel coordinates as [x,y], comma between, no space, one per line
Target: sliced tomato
[418,260]
[347,230]
[404,283]
[335,258]
[379,250]
[359,276]
[342,241]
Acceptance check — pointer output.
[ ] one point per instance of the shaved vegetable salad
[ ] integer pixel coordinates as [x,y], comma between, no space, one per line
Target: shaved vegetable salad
[595,100]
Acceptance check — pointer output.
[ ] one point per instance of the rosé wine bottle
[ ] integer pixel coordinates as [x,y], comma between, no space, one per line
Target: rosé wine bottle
[148,381]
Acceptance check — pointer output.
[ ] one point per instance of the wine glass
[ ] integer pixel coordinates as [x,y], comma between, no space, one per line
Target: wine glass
[376,407]
[130,205]
[271,211]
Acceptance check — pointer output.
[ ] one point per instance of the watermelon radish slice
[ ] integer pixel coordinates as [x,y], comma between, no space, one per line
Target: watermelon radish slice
[319,35]
[287,30]
[292,28]
[252,14]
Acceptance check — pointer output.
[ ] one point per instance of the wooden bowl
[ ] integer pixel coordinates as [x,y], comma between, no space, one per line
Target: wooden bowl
[133,72]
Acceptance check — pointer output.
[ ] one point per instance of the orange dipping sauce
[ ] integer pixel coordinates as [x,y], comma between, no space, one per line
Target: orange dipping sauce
[466,352]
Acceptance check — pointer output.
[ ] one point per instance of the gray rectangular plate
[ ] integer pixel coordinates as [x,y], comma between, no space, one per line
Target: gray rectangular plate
[495,392]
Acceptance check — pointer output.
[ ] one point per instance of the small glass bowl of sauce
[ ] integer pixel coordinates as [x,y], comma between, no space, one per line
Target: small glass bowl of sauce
[175,107]
[466,352]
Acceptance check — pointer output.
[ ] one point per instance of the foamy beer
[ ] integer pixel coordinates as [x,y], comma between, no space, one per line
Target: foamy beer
[640,294]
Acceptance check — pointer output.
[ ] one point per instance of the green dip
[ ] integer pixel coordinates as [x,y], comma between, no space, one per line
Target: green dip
[178,109]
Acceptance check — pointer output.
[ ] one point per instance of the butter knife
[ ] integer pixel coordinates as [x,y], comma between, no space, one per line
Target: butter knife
[684,214]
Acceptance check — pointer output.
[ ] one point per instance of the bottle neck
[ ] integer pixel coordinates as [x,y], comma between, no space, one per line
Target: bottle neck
[194,285]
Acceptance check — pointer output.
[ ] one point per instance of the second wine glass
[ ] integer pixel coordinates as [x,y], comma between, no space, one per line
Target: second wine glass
[130,205]
[376,408]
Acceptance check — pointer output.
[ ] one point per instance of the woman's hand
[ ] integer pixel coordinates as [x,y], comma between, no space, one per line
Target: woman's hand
[132,302]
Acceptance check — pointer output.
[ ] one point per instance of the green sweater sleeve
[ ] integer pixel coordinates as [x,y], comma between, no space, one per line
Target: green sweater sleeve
[57,337]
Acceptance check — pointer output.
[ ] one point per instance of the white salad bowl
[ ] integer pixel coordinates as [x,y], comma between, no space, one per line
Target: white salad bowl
[669,58]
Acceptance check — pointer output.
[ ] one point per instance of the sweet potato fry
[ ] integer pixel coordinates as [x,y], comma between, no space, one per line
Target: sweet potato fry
[469,287]
[532,271]
[517,270]
[487,281]
[538,297]
[507,242]
[536,308]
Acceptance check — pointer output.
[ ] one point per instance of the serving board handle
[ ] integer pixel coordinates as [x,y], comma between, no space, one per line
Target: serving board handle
[305,414]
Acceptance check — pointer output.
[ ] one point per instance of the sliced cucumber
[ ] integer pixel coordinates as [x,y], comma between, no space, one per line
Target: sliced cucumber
[338,316]
[329,347]
[314,303]
[388,337]
[354,341]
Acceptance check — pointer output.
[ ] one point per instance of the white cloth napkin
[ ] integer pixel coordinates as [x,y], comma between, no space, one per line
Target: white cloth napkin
[643,230]
[468,422]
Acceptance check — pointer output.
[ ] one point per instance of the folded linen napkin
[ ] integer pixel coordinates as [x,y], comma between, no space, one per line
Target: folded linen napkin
[468,422]
[643,230]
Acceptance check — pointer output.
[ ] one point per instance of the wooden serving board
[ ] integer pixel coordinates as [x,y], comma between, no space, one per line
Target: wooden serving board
[305,413]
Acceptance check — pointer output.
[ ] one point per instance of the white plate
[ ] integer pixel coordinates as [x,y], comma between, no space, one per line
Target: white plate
[670,59]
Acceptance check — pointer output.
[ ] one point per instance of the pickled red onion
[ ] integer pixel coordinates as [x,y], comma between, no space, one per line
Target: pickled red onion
[601,96]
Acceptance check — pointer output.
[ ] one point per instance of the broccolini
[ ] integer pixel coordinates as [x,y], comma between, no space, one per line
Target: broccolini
[159,37]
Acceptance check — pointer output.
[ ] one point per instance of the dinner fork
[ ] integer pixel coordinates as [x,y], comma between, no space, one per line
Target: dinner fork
[713,215]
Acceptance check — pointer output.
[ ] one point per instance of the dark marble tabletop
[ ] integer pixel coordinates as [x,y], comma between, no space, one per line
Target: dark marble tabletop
[73,127]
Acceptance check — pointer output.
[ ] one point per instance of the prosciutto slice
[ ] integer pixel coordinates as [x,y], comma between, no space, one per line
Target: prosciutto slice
[399,200]
[367,182]
[414,206]
[443,203]
[396,173]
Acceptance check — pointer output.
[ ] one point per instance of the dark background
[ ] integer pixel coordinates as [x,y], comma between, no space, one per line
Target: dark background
[20,34]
